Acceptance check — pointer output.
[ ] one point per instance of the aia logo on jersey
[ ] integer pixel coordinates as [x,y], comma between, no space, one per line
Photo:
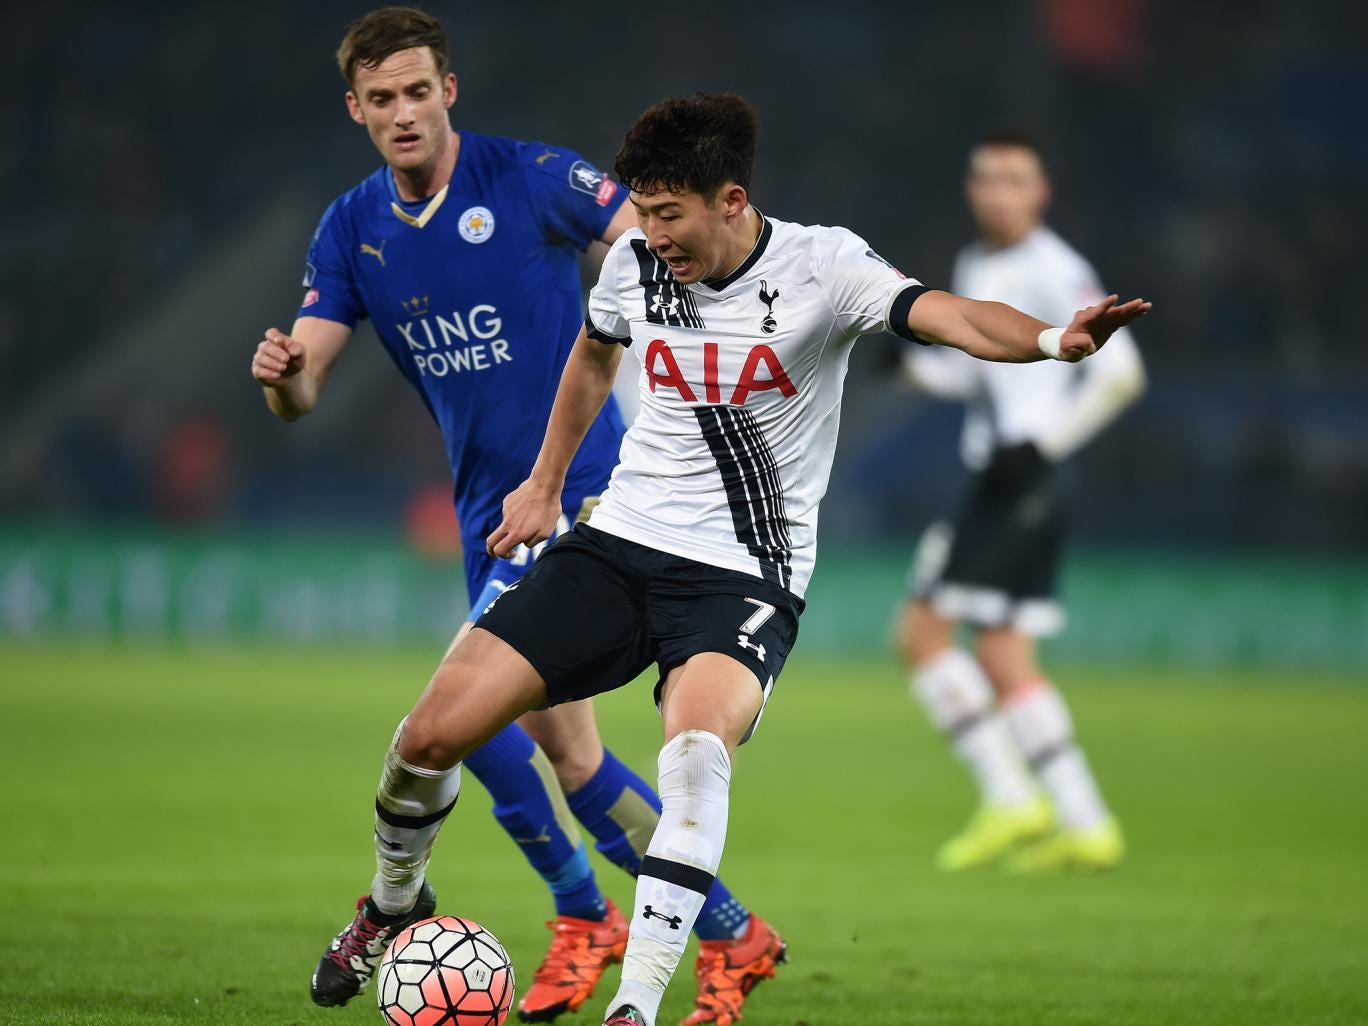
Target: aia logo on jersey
[662,371]
[769,324]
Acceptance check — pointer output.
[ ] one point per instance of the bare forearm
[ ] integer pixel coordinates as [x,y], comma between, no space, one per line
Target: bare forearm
[584,387]
[986,331]
[998,332]
[292,399]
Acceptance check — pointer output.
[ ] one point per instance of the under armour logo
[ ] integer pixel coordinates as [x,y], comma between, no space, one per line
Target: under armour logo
[669,308]
[650,913]
[769,324]
[745,642]
[368,250]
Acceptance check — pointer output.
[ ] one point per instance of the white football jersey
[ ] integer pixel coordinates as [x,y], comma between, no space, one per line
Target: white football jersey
[740,390]
[1008,403]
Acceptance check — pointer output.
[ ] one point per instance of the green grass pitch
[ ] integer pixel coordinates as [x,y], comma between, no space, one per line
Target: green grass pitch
[184,830]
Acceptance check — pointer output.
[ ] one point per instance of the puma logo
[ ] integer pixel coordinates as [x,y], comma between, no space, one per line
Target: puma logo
[547,156]
[379,254]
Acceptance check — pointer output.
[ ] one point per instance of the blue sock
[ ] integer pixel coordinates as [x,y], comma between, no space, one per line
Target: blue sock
[504,765]
[621,811]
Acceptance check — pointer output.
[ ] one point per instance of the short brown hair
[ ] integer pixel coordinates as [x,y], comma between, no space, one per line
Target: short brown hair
[375,36]
[1013,139]
[698,142]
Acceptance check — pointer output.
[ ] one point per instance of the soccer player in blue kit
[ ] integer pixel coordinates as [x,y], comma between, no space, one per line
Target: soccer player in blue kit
[463,251]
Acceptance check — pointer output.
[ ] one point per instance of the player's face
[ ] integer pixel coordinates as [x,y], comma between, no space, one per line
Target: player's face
[403,103]
[692,234]
[1007,192]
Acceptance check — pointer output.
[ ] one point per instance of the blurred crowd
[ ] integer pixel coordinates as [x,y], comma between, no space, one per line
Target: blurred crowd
[1209,157]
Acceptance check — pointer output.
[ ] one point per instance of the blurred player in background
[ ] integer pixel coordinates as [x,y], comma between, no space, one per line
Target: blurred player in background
[463,250]
[995,568]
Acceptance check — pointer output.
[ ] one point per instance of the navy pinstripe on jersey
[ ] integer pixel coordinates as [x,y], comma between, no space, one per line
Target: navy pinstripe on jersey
[755,494]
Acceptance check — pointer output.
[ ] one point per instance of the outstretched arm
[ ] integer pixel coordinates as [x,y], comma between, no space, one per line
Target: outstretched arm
[998,332]
[530,512]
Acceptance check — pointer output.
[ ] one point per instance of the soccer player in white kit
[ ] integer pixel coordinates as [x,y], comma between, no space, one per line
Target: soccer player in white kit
[995,568]
[698,555]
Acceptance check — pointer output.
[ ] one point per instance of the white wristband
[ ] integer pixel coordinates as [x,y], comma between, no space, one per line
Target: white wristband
[1048,340]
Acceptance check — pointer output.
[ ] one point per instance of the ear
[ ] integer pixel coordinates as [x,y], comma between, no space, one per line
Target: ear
[449,90]
[734,200]
[354,108]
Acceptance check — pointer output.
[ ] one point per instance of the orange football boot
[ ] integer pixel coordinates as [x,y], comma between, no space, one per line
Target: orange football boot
[580,951]
[727,970]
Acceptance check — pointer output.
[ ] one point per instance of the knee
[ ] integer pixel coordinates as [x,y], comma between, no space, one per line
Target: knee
[422,744]
[1007,659]
[921,634]
[694,762]
[575,764]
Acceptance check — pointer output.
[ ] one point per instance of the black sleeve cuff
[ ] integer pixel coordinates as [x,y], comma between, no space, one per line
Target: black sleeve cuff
[901,307]
[599,335]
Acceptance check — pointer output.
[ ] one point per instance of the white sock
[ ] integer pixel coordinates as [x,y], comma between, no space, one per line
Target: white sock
[957,697]
[1042,726]
[679,868]
[410,805]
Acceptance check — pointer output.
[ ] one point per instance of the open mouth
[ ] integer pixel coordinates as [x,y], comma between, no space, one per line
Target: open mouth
[678,265]
[407,141]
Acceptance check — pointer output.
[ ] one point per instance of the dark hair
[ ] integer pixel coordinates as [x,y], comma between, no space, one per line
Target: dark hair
[1013,138]
[696,143]
[375,36]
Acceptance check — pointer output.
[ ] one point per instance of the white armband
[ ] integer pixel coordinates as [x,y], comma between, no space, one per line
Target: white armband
[1048,340]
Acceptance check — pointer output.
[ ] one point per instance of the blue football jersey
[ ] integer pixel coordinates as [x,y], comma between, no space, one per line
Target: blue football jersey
[475,294]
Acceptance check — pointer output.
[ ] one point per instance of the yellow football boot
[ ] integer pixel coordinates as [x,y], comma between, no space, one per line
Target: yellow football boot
[992,832]
[1102,847]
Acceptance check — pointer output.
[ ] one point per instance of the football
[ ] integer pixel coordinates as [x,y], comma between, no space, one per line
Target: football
[445,971]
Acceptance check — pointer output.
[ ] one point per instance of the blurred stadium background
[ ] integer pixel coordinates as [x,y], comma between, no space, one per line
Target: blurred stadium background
[159,194]
[165,167]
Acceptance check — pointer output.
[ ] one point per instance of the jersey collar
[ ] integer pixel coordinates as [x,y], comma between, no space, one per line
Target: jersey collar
[766,230]
[410,212]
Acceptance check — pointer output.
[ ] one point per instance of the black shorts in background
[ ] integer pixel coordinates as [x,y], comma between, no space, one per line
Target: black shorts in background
[998,564]
[596,610]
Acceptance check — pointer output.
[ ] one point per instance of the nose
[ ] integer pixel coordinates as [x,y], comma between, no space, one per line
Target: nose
[656,238]
[403,114]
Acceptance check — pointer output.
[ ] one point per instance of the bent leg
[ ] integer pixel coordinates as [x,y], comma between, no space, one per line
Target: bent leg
[480,687]
[708,705]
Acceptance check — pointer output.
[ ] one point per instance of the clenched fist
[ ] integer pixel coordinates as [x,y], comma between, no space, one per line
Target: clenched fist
[277,358]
